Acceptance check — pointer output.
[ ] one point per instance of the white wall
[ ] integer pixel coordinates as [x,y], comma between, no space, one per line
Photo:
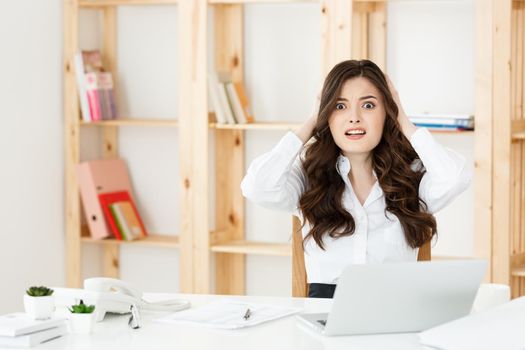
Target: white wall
[31,149]
[432,67]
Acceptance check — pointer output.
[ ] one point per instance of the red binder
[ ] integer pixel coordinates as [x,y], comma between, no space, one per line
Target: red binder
[106,199]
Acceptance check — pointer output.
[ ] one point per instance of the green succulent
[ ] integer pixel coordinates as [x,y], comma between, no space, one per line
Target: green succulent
[39,291]
[82,308]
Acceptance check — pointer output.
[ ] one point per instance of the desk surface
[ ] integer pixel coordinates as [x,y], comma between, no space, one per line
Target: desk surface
[287,333]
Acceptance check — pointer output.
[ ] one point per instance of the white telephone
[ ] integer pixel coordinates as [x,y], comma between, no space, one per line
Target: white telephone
[112,295]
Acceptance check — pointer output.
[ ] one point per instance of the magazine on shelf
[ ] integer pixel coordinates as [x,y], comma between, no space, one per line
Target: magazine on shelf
[95,87]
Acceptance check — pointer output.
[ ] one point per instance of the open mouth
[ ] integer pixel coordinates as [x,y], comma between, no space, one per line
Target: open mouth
[355,134]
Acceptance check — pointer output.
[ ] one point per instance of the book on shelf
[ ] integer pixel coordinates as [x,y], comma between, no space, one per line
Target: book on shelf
[95,87]
[127,220]
[228,99]
[444,121]
[96,177]
[111,203]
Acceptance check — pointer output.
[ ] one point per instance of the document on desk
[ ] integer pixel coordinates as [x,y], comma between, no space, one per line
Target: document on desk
[229,314]
[497,328]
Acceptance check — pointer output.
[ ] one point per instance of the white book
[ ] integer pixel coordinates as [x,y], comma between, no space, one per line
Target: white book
[19,323]
[213,84]
[32,339]
[238,111]
[82,87]
[225,104]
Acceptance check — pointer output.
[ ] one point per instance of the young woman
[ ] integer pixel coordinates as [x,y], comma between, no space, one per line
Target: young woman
[362,178]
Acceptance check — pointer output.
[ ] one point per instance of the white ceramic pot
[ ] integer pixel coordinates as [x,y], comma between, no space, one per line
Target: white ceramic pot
[81,323]
[39,308]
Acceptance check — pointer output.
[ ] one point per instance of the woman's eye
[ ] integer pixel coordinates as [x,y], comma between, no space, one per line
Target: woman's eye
[340,106]
[368,105]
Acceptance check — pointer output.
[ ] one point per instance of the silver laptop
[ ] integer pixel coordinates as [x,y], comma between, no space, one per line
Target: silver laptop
[399,297]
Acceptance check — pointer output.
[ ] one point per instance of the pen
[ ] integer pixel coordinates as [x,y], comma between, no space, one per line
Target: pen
[247,314]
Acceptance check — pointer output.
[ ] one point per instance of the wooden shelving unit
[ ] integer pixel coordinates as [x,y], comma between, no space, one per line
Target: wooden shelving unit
[110,132]
[349,29]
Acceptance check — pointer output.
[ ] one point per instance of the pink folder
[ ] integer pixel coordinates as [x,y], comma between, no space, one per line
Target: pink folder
[96,177]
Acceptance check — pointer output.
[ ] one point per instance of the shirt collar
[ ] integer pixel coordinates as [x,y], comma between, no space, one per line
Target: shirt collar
[343,167]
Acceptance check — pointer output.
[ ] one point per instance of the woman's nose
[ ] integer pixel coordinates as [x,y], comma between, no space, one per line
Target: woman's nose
[353,116]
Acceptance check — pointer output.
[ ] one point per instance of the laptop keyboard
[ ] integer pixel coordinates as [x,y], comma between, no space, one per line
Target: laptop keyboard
[323,322]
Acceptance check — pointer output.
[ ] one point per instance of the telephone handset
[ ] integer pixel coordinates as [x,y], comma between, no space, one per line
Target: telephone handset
[116,296]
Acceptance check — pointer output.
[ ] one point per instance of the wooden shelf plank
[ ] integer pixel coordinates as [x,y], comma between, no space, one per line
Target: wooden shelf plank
[102,3]
[133,122]
[153,240]
[268,125]
[257,126]
[518,271]
[518,130]
[261,1]
[251,247]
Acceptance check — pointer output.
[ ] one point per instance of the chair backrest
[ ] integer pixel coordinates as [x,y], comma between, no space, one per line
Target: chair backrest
[299,284]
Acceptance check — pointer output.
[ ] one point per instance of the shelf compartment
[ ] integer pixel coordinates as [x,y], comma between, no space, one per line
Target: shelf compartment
[132,122]
[252,247]
[152,240]
[103,3]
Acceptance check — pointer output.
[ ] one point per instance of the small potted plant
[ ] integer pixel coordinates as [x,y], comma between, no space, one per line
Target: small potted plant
[82,318]
[39,303]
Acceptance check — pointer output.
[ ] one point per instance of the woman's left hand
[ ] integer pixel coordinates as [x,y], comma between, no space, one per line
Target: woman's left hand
[407,127]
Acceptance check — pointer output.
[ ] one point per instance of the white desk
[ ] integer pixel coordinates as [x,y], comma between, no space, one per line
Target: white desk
[286,333]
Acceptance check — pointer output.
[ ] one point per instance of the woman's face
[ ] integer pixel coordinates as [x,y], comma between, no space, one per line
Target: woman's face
[357,122]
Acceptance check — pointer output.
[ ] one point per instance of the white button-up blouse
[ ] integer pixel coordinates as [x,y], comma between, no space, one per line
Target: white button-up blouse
[275,180]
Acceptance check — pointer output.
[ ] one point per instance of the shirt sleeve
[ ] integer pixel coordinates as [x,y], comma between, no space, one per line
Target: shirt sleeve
[447,173]
[275,179]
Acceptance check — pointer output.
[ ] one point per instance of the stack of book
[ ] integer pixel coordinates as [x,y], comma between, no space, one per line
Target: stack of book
[95,87]
[18,330]
[455,122]
[122,216]
[107,200]
[228,99]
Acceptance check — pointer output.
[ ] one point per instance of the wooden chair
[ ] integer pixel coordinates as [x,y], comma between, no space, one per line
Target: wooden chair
[299,284]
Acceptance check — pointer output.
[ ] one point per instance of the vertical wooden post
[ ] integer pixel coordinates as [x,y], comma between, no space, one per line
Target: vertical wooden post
[193,135]
[336,33]
[501,224]
[377,35]
[520,100]
[71,142]
[229,154]
[110,133]
[483,133]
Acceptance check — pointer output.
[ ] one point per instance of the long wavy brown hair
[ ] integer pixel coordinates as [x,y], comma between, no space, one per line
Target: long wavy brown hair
[321,203]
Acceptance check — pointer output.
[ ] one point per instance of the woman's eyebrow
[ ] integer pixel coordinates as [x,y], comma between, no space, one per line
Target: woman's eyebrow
[361,98]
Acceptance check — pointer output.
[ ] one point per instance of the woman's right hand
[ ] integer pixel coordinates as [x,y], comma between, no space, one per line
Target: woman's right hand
[305,131]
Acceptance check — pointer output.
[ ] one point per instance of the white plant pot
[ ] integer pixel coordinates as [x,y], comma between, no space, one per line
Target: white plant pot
[39,308]
[81,323]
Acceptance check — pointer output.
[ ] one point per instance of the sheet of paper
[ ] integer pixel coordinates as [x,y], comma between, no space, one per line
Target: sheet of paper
[229,314]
